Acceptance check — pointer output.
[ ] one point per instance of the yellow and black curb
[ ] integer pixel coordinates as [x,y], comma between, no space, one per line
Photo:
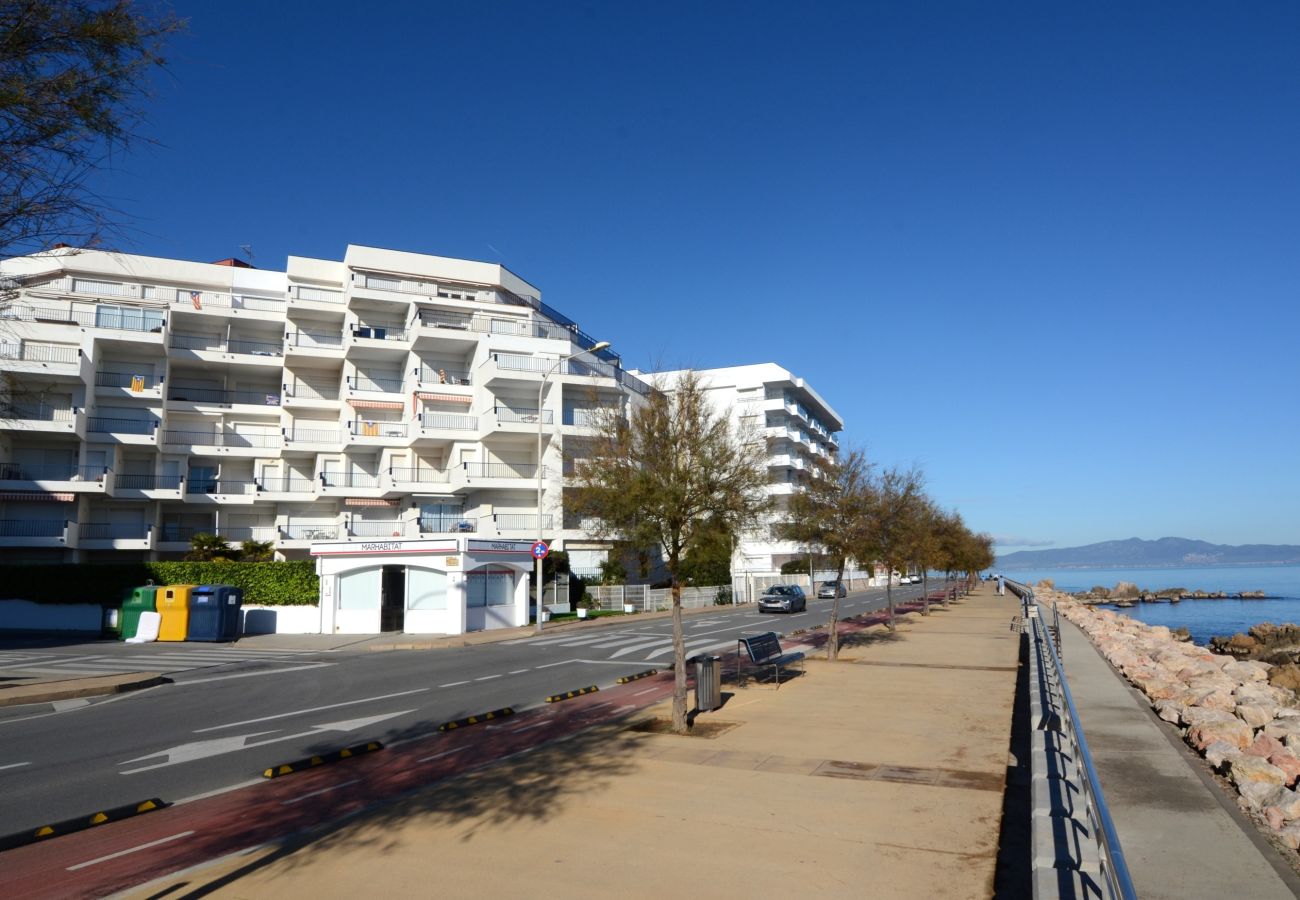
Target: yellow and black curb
[628,679]
[79,823]
[311,762]
[569,695]
[796,631]
[475,720]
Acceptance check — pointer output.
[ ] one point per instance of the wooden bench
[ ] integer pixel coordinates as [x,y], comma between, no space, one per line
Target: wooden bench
[765,650]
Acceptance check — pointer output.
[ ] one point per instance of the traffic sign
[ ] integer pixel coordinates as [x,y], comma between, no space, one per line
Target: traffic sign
[540,550]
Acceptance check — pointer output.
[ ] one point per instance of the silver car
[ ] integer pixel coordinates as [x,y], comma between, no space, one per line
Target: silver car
[783,598]
[831,589]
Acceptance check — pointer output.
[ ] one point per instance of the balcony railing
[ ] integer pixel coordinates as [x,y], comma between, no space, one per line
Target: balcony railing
[288,485]
[213,300]
[367,383]
[315,339]
[349,480]
[301,390]
[426,375]
[448,421]
[380,332]
[259,533]
[113,318]
[43,353]
[483,324]
[500,470]
[309,532]
[105,425]
[256,348]
[520,522]
[102,531]
[149,482]
[127,380]
[315,294]
[511,362]
[51,472]
[446,525]
[175,533]
[268,397]
[521,415]
[376,528]
[221,439]
[28,409]
[220,486]
[215,344]
[378,429]
[409,475]
[29,528]
[313,435]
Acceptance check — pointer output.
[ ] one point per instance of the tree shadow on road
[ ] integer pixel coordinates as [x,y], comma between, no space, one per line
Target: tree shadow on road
[532,785]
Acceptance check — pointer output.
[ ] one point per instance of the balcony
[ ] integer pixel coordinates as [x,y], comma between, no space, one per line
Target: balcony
[124,384]
[147,487]
[496,475]
[446,525]
[243,350]
[520,523]
[352,484]
[185,397]
[381,385]
[217,303]
[268,534]
[304,535]
[231,442]
[56,477]
[222,490]
[315,344]
[379,433]
[37,533]
[31,357]
[412,479]
[123,431]
[298,438]
[516,367]
[114,536]
[516,419]
[30,414]
[292,487]
[446,426]
[428,377]
[377,340]
[309,297]
[139,321]
[376,528]
[447,323]
[303,395]
[180,536]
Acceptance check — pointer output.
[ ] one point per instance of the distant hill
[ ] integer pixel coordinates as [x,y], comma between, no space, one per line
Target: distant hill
[1139,554]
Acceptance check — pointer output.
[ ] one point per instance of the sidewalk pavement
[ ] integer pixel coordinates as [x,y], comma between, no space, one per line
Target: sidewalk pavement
[1180,839]
[880,775]
[52,690]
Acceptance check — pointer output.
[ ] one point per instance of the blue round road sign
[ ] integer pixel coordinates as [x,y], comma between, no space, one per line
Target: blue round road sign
[540,550]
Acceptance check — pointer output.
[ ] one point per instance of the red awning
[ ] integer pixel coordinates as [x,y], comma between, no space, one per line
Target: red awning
[446,398]
[375,404]
[370,501]
[43,496]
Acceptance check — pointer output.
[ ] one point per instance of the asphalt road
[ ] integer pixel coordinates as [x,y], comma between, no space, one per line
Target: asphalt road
[225,719]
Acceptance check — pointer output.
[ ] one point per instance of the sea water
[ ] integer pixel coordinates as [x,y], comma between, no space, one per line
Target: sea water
[1202,618]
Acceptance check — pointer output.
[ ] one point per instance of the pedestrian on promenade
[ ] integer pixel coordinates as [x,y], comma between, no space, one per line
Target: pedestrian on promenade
[1002,588]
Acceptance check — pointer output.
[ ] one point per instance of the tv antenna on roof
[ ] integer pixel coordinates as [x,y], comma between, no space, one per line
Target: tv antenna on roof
[247,250]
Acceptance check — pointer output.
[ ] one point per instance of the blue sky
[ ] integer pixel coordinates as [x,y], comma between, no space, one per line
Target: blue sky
[1047,252]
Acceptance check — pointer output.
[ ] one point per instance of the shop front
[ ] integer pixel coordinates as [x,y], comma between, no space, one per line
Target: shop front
[437,586]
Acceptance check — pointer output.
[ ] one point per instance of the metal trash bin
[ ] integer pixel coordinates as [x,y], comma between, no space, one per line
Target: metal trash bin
[214,613]
[708,683]
[174,606]
[141,599]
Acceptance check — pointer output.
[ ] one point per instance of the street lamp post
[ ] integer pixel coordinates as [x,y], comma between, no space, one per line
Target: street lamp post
[541,532]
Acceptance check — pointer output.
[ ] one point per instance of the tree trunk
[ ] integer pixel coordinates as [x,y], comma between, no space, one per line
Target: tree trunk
[679,663]
[833,640]
[889,598]
[925,592]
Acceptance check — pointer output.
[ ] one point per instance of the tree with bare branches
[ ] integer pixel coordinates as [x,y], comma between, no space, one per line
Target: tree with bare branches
[830,512]
[673,470]
[73,77]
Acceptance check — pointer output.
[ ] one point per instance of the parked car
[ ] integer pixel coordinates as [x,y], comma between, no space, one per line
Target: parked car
[831,589]
[783,598]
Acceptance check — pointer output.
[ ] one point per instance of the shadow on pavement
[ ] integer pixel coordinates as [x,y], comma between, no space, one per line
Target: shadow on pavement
[1013,877]
[531,785]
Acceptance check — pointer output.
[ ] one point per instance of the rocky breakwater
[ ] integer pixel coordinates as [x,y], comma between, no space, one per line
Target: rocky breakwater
[1246,727]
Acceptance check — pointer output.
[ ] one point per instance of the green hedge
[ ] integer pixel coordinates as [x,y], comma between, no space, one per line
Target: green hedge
[291,583]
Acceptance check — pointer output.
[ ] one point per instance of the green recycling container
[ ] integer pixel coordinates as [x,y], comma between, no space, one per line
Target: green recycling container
[141,599]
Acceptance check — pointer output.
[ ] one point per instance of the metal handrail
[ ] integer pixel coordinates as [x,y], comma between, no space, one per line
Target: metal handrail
[1114,866]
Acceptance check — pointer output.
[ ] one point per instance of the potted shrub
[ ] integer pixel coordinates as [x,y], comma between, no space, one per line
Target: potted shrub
[586,604]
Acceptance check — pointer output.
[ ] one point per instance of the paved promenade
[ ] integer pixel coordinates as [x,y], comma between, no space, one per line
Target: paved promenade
[881,775]
[1179,837]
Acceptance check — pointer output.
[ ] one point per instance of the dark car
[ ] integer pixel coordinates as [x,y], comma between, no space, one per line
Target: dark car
[783,598]
[831,589]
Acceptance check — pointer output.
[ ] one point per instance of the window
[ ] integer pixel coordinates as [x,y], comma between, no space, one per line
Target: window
[426,589]
[360,590]
[489,586]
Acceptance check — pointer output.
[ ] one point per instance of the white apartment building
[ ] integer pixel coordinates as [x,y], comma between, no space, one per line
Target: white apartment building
[387,397]
[799,428]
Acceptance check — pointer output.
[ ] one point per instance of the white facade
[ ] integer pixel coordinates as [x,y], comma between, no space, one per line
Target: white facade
[799,428]
[388,396]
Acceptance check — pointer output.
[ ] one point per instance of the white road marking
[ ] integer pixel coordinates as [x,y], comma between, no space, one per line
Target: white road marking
[646,691]
[517,671]
[527,727]
[442,754]
[98,860]
[560,663]
[299,712]
[65,705]
[453,684]
[14,766]
[318,793]
[252,674]
[692,646]
[487,677]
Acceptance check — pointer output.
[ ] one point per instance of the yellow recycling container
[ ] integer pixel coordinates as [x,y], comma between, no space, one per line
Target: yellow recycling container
[174,606]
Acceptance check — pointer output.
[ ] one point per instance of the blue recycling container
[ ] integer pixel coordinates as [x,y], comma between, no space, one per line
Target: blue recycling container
[214,613]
